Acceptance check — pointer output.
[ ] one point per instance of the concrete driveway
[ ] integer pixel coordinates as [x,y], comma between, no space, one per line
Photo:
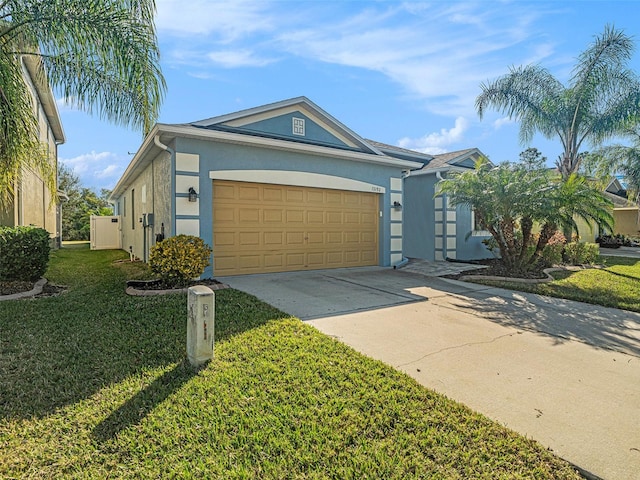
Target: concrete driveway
[564,373]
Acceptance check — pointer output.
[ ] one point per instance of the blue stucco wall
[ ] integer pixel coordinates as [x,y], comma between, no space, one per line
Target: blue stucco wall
[419,223]
[419,218]
[281,126]
[225,156]
[469,247]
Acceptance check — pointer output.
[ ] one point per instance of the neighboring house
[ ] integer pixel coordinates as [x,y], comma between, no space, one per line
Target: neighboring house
[280,187]
[434,230]
[33,203]
[625,212]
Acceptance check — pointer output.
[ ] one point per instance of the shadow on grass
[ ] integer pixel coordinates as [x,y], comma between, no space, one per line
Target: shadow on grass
[57,351]
[134,410]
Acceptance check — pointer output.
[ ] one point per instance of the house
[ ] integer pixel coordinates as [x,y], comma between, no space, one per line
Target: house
[280,187]
[626,216]
[33,202]
[435,230]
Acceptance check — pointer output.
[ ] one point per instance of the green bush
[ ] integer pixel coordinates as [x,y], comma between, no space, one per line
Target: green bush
[24,253]
[552,254]
[178,260]
[577,253]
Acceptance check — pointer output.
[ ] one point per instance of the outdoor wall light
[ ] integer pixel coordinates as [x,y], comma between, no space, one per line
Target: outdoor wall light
[397,205]
[193,195]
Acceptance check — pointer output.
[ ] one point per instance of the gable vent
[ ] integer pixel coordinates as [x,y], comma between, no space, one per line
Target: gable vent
[298,126]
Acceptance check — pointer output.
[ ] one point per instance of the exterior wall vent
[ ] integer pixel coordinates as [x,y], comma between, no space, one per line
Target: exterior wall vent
[298,126]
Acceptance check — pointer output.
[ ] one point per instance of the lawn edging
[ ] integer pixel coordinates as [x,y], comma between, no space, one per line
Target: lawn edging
[36,290]
[546,271]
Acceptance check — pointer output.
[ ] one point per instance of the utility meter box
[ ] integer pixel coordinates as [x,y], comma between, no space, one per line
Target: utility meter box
[200,324]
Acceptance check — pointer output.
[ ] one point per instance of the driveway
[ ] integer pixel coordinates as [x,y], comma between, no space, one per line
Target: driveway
[564,373]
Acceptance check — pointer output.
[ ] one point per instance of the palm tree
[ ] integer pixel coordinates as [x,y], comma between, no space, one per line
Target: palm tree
[602,96]
[612,160]
[101,55]
[509,199]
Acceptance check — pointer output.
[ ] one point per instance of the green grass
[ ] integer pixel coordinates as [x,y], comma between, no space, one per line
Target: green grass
[617,285]
[93,384]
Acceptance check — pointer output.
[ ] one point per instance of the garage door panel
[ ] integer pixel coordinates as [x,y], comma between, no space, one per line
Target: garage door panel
[295,238]
[272,215]
[249,239]
[225,239]
[273,239]
[315,238]
[334,218]
[314,216]
[272,228]
[315,196]
[224,215]
[249,215]
[249,261]
[295,195]
[295,216]
[295,260]
[248,192]
[274,260]
[316,260]
[272,194]
[352,218]
[368,256]
[225,192]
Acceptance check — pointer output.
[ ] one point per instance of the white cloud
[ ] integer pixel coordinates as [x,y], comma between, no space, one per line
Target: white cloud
[68,104]
[227,21]
[97,169]
[238,58]
[436,143]
[439,53]
[500,122]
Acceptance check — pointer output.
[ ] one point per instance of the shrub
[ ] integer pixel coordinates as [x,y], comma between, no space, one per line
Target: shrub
[178,260]
[552,254]
[24,253]
[577,253]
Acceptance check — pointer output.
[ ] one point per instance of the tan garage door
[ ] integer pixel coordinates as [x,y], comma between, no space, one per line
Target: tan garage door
[259,228]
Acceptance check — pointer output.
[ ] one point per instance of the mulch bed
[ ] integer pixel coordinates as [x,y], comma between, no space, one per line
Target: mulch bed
[9,288]
[48,290]
[158,287]
[495,268]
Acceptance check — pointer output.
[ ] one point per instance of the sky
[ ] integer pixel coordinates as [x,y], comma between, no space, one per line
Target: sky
[401,73]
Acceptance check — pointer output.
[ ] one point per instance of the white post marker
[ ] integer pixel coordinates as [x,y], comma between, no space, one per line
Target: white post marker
[200,324]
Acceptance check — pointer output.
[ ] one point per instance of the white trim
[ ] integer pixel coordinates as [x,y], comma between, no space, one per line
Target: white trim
[439,170]
[187,162]
[286,145]
[188,226]
[299,179]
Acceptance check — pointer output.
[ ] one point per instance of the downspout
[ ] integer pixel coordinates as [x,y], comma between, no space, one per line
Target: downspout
[156,140]
[172,152]
[405,260]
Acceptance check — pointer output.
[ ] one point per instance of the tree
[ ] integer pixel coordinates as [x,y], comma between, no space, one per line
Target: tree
[612,160]
[603,95]
[82,203]
[101,55]
[509,199]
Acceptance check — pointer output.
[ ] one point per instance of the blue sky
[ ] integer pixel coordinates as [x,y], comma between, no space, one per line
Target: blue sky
[402,73]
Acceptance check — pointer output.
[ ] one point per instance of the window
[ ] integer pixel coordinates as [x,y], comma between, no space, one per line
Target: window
[476,229]
[133,209]
[298,126]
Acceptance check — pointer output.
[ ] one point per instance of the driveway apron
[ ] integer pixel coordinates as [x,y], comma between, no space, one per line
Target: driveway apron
[564,373]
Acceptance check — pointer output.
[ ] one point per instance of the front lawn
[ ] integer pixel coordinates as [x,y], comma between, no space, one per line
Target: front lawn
[617,285]
[93,384]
